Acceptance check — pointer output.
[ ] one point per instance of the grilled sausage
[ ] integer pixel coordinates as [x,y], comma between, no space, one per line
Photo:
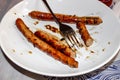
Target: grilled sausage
[44,46]
[88,40]
[55,42]
[66,18]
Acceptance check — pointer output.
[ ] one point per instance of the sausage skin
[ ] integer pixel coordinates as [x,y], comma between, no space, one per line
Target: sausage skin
[55,42]
[46,48]
[65,18]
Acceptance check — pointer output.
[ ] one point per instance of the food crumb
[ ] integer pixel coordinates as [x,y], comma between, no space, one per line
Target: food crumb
[92,28]
[109,43]
[14,13]
[30,52]
[103,49]
[52,28]
[86,48]
[92,52]
[96,32]
[77,31]
[87,57]
[36,22]
[13,50]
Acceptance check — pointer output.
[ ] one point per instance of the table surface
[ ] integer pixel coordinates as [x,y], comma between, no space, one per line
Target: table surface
[9,70]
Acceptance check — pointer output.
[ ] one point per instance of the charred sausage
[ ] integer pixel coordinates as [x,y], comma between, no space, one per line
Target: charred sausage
[91,20]
[46,48]
[55,42]
[88,40]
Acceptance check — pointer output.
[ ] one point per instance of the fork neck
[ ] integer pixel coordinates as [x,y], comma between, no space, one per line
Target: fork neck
[55,18]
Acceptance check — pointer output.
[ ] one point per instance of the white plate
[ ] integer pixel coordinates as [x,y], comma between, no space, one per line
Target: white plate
[17,48]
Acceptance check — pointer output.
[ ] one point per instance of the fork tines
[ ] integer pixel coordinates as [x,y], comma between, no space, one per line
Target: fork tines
[73,41]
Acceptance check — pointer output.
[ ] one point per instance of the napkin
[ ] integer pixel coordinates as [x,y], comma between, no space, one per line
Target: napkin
[116,10]
[111,72]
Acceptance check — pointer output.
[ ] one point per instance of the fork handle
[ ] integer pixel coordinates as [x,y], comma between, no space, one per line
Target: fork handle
[55,18]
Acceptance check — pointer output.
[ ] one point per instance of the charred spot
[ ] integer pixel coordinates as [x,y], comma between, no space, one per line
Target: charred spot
[87,22]
[35,39]
[34,44]
[29,38]
[95,21]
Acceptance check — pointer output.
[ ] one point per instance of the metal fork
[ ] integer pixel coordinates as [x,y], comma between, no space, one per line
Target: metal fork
[66,31]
